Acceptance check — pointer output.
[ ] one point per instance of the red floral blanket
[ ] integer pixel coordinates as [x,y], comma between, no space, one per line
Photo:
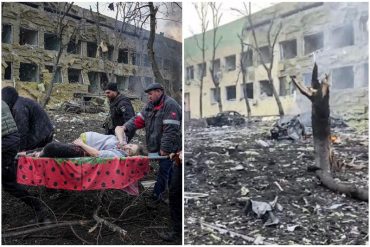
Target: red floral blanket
[88,173]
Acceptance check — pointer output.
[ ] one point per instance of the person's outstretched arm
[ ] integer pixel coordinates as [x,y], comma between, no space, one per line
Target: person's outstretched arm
[120,134]
[90,150]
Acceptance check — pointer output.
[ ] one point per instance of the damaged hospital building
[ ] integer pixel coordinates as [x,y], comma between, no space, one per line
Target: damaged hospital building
[334,34]
[30,45]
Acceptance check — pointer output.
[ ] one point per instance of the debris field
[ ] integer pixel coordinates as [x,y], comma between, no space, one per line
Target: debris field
[226,167]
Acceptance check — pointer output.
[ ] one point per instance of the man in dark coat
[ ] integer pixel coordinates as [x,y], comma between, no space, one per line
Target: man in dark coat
[10,141]
[120,109]
[161,118]
[33,123]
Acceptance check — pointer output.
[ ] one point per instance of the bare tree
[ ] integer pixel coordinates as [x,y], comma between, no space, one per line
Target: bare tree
[318,94]
[243,70]
[202,15]
[153,22]
[216,75]
[61,29]
[271,42]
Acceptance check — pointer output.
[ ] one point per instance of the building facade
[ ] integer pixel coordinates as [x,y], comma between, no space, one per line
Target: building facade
[334,35]
[30,45]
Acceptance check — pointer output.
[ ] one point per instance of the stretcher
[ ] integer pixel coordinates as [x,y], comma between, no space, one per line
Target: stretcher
[85,173]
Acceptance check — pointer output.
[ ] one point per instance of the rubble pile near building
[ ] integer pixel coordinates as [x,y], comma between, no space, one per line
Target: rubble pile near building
[225,167]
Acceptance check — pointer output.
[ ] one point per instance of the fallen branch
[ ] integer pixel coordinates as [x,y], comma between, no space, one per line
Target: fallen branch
[233,234]
[75,233]
[350,190]
[110,225]
[191,195]
[46,227]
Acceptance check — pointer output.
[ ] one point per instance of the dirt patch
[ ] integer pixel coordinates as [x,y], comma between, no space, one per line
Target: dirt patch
[138,216]
[230,166]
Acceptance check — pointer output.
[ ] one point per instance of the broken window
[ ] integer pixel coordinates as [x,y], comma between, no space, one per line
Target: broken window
[148,80]
[133,58]
[91,49]
[313,42]
[8,71]
[202,70]
[110,53]
[247,57]
[28,37]
[189,72]
[248,87]
[265,88]
[288,49]
[307,77]
[342,36]
[74,76]
[365,81]
[286,87]
[73,47]
[51,42]
[58,74]
[231,93]
[138,59]
[94,79]
[103,80]
[343,77]
[28,72]
[6,34]
[230,63]
[122,82]
[166,64]
[123,56]
[146,60]
[213,96]
[265,55]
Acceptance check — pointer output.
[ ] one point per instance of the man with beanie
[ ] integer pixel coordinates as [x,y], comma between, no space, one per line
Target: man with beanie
[161,118]
[10,139]
[120,109]
[33,123]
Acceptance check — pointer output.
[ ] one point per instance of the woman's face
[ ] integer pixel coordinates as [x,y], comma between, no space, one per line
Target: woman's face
[130,149]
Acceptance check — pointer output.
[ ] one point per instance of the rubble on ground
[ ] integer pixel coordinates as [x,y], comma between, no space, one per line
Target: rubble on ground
[227,167]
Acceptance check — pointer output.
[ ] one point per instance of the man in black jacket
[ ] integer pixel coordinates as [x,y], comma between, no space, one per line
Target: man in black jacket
[120,109]
[33,123]
[10,140]
[161,118]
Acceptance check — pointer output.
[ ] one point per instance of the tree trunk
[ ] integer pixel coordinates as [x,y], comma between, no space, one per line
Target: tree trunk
[201,97]
[55,69]
[319,97]
[157,74]
[219,100]
[276,95]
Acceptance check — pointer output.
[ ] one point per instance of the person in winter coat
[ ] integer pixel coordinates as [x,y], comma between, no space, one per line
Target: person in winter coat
[161,118]
[33,123]
[120,109]
[10,140]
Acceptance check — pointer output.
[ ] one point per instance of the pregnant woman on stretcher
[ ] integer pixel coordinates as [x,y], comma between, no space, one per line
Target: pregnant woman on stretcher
[92,144]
